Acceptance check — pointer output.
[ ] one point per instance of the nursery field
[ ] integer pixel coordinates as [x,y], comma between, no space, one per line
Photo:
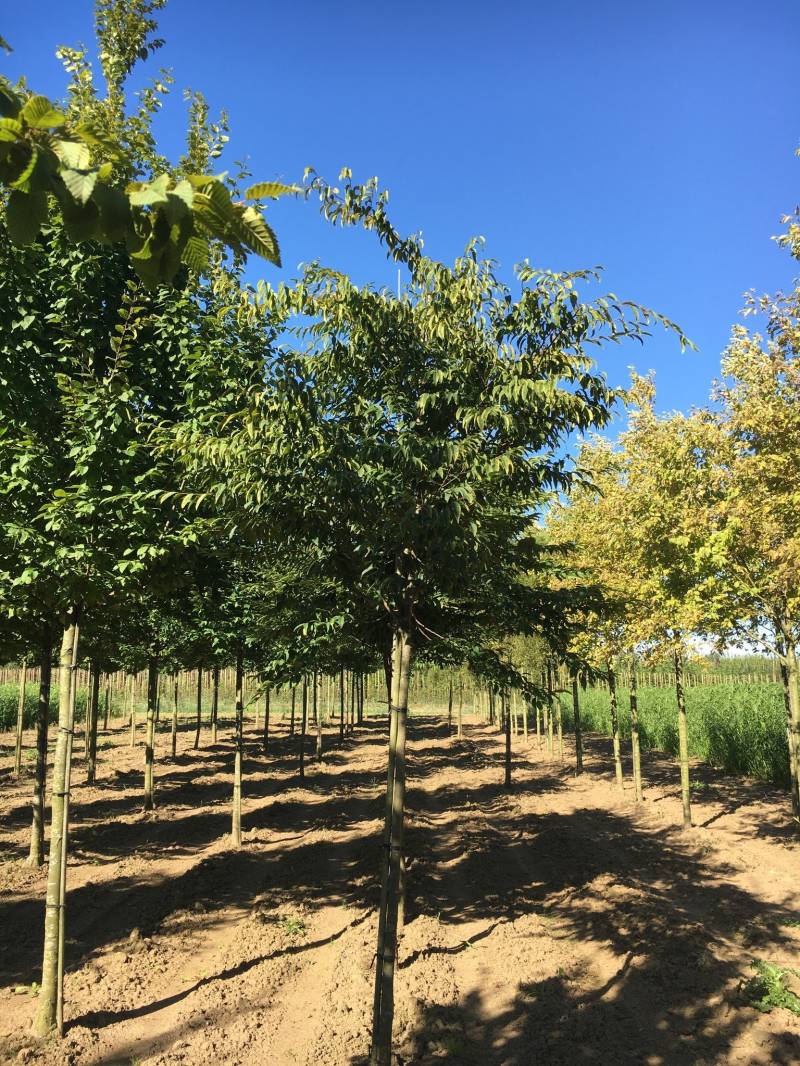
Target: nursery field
[558,923]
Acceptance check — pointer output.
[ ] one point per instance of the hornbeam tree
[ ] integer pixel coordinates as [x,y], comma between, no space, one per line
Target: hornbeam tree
[406,441]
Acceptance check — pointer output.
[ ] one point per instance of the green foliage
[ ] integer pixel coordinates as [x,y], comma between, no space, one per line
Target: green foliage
[739,728]
[84,157]
[769,988]
[9,700]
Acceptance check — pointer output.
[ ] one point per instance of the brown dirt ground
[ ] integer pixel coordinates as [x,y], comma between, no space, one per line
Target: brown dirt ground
[555,925]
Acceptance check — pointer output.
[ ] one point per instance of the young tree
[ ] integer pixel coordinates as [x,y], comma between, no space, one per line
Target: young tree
[405,448]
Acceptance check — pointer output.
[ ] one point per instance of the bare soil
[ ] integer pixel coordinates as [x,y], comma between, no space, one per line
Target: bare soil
[558,924]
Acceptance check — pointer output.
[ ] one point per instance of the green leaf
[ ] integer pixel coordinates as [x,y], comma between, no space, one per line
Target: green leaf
[80,183]
[96,138]
[115,211]
[39,113]
[196,254]
[147,194]
[81,221]
[5,45]
[22,179]
[73,154]
[270,189]
[25,215]
[10,129]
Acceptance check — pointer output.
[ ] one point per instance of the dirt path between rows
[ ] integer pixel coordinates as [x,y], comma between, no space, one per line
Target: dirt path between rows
[558,924]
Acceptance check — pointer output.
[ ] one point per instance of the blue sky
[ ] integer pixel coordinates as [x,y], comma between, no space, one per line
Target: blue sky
[656,140]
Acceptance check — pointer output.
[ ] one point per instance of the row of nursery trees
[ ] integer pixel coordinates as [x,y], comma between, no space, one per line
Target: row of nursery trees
[317,476]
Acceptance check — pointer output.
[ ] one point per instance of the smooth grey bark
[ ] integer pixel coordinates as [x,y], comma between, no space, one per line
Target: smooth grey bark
[50,1003]
[683,743]
[576,714]
[23,679]
[612,697]
[36,853]
[236,815]
[383,1002]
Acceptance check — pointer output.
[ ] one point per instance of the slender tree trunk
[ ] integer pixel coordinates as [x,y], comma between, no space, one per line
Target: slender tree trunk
[360,698]
[635,747]
[106,701]
[150,734]
[576,714]
[132,708]
[549,712]
[303,723]
[341,706]
[50,1005]
[174,735]
[214,703]
[352,722]
[792,686]
[460,719]
[265,741]
[683,743]
[507,727]
[612,698]
[236,817]
[196,744]
[36,854]
[450,707]
[94,714]
[291,716]
[23,678]
[383,1003]
[318,720]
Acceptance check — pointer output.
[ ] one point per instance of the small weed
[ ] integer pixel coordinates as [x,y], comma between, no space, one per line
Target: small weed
[769,988]
[454,1044]
[696,787]
[792,923]
[292,926]
[27,990]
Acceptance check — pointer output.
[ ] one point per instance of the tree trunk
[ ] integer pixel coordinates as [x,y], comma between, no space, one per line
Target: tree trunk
[236,816]
[174,712]
[303,723]
[792,685]
[383,1003]
[150,735]
[94,714]
[265,741]
[341,706]
[318,720]
[683,743]
[576,713]
[360,698]
[214,702]
[507,727]
[23,678]
[450,708]
[36,854]
[50,1005]
[291,716]
[549,711]
[612,697]
[196,744]
[132,709]
[106,701]
[635,747]
[460,718]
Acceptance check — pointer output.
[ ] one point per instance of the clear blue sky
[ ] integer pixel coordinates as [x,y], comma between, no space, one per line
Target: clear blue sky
[654,139]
